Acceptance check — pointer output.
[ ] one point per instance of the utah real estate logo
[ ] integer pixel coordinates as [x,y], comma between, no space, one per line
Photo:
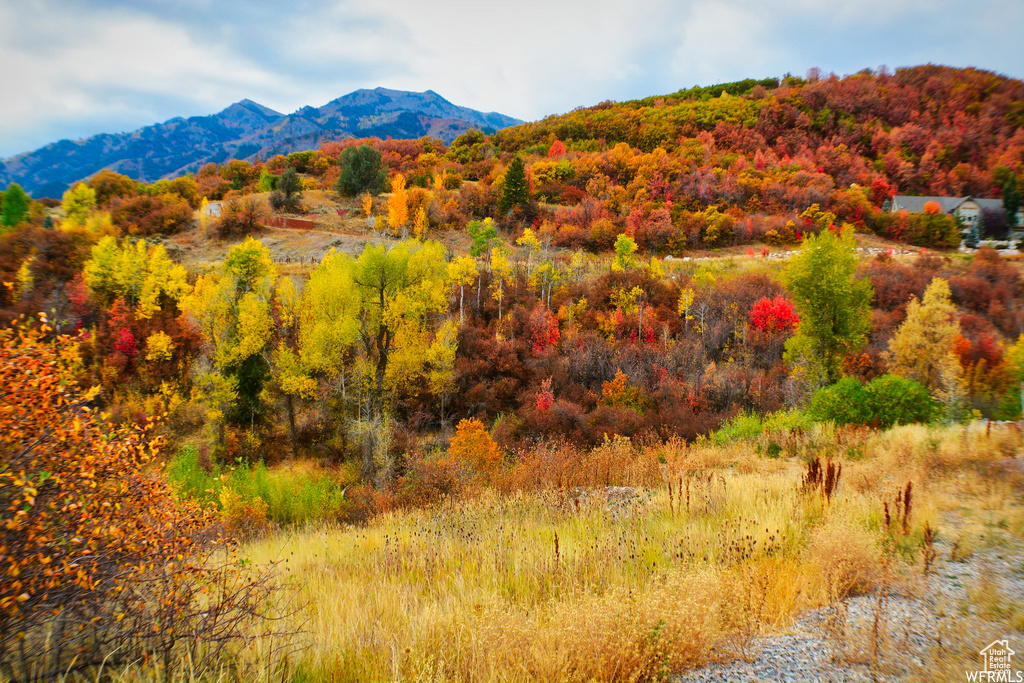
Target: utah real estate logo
[998,665]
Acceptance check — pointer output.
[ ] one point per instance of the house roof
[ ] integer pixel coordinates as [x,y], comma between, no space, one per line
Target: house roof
[915,204]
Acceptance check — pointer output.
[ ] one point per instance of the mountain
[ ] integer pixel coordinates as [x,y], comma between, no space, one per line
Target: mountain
[244,130]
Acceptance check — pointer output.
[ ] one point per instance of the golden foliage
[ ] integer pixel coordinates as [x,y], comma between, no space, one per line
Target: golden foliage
[473,445]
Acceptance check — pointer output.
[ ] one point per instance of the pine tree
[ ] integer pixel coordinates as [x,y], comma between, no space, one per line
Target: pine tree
[515,191]
[1011,199]
[291,185]
[361,171]
[15,206]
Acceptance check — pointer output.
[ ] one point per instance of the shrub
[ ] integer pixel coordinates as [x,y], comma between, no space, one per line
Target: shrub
[240,217]
[885,401]
[147,215]
[895,401]
[752,425]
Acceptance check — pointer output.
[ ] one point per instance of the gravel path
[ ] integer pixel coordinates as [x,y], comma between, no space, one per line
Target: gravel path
[837,644]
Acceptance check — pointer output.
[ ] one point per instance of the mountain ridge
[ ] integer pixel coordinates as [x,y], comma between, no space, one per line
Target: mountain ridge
[243,130]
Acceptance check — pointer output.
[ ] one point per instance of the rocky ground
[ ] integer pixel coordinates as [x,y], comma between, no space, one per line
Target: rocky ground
[910,632]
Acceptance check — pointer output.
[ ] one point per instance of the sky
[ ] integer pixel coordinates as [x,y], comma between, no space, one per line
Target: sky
[75,68]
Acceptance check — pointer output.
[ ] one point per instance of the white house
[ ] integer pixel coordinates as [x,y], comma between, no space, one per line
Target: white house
[967,209]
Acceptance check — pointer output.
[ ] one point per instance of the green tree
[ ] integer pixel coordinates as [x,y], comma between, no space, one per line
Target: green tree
[834,307]
[515,190]
[625,248]
[15,206]
[290,185]
[79,202]
[483,233]
[1011,198]
[267,182]
[361,171]
[885,401]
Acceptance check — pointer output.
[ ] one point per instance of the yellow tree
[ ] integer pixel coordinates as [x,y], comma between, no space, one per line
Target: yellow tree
[398,203]
[462,271]
[501,269]
[923,347]
[420,225]
[532,244]
[232,308]
[145,277]
[79,203]
[475,447]
[440,359]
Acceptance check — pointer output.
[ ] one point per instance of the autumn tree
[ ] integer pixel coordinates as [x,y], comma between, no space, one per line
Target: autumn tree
[361,171]
[473,445]
[532,244]
[501,271]
[232,308]
[383,306]
[15,206]
[92,539]
[515,189]
[834,307]
[78,202]
[625,248]
[923,347]
[144,277]
[420,225]
[462,271]
[398,203]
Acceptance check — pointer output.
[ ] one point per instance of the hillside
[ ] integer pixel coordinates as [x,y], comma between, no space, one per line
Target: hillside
[924,130]
[245,130]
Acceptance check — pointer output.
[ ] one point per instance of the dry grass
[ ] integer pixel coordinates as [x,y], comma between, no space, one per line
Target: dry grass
[560,583]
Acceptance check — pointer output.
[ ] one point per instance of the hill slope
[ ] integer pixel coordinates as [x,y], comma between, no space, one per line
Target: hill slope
[926,130]
[243,131]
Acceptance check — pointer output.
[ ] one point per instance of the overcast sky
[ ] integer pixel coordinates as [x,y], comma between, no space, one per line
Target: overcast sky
[74,68]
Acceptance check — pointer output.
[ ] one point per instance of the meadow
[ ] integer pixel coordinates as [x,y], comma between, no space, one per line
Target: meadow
[635,562]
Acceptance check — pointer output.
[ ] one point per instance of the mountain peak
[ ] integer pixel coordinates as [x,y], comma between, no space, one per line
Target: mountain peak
[245,130]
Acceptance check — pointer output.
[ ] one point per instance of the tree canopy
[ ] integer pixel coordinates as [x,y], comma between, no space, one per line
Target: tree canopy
[361,171]
[834,306]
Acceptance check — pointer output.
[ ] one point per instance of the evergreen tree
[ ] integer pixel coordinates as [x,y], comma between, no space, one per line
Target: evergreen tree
[15,206]
[515,191]
[1011,199]
[288,194]
[361,171]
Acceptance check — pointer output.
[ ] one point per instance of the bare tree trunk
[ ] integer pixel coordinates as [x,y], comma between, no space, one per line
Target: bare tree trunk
[291,425]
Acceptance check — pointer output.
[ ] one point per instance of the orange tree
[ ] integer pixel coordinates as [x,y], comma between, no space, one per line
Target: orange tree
[94,546]
[474,446]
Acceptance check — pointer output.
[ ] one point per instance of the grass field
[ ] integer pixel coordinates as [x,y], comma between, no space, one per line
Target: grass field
[626,585]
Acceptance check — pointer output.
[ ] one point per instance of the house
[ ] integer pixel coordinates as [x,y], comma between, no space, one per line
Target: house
[967,209]
[212,209]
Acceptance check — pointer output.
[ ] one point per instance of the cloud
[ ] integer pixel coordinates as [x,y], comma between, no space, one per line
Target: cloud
[71,68]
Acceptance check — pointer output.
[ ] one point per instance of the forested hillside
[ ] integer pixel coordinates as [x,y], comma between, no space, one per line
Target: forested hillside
[702,297]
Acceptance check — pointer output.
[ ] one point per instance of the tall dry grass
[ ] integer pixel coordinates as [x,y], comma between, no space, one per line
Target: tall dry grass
[544,576]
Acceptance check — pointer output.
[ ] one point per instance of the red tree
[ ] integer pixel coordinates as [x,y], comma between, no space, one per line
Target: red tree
[773,315]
